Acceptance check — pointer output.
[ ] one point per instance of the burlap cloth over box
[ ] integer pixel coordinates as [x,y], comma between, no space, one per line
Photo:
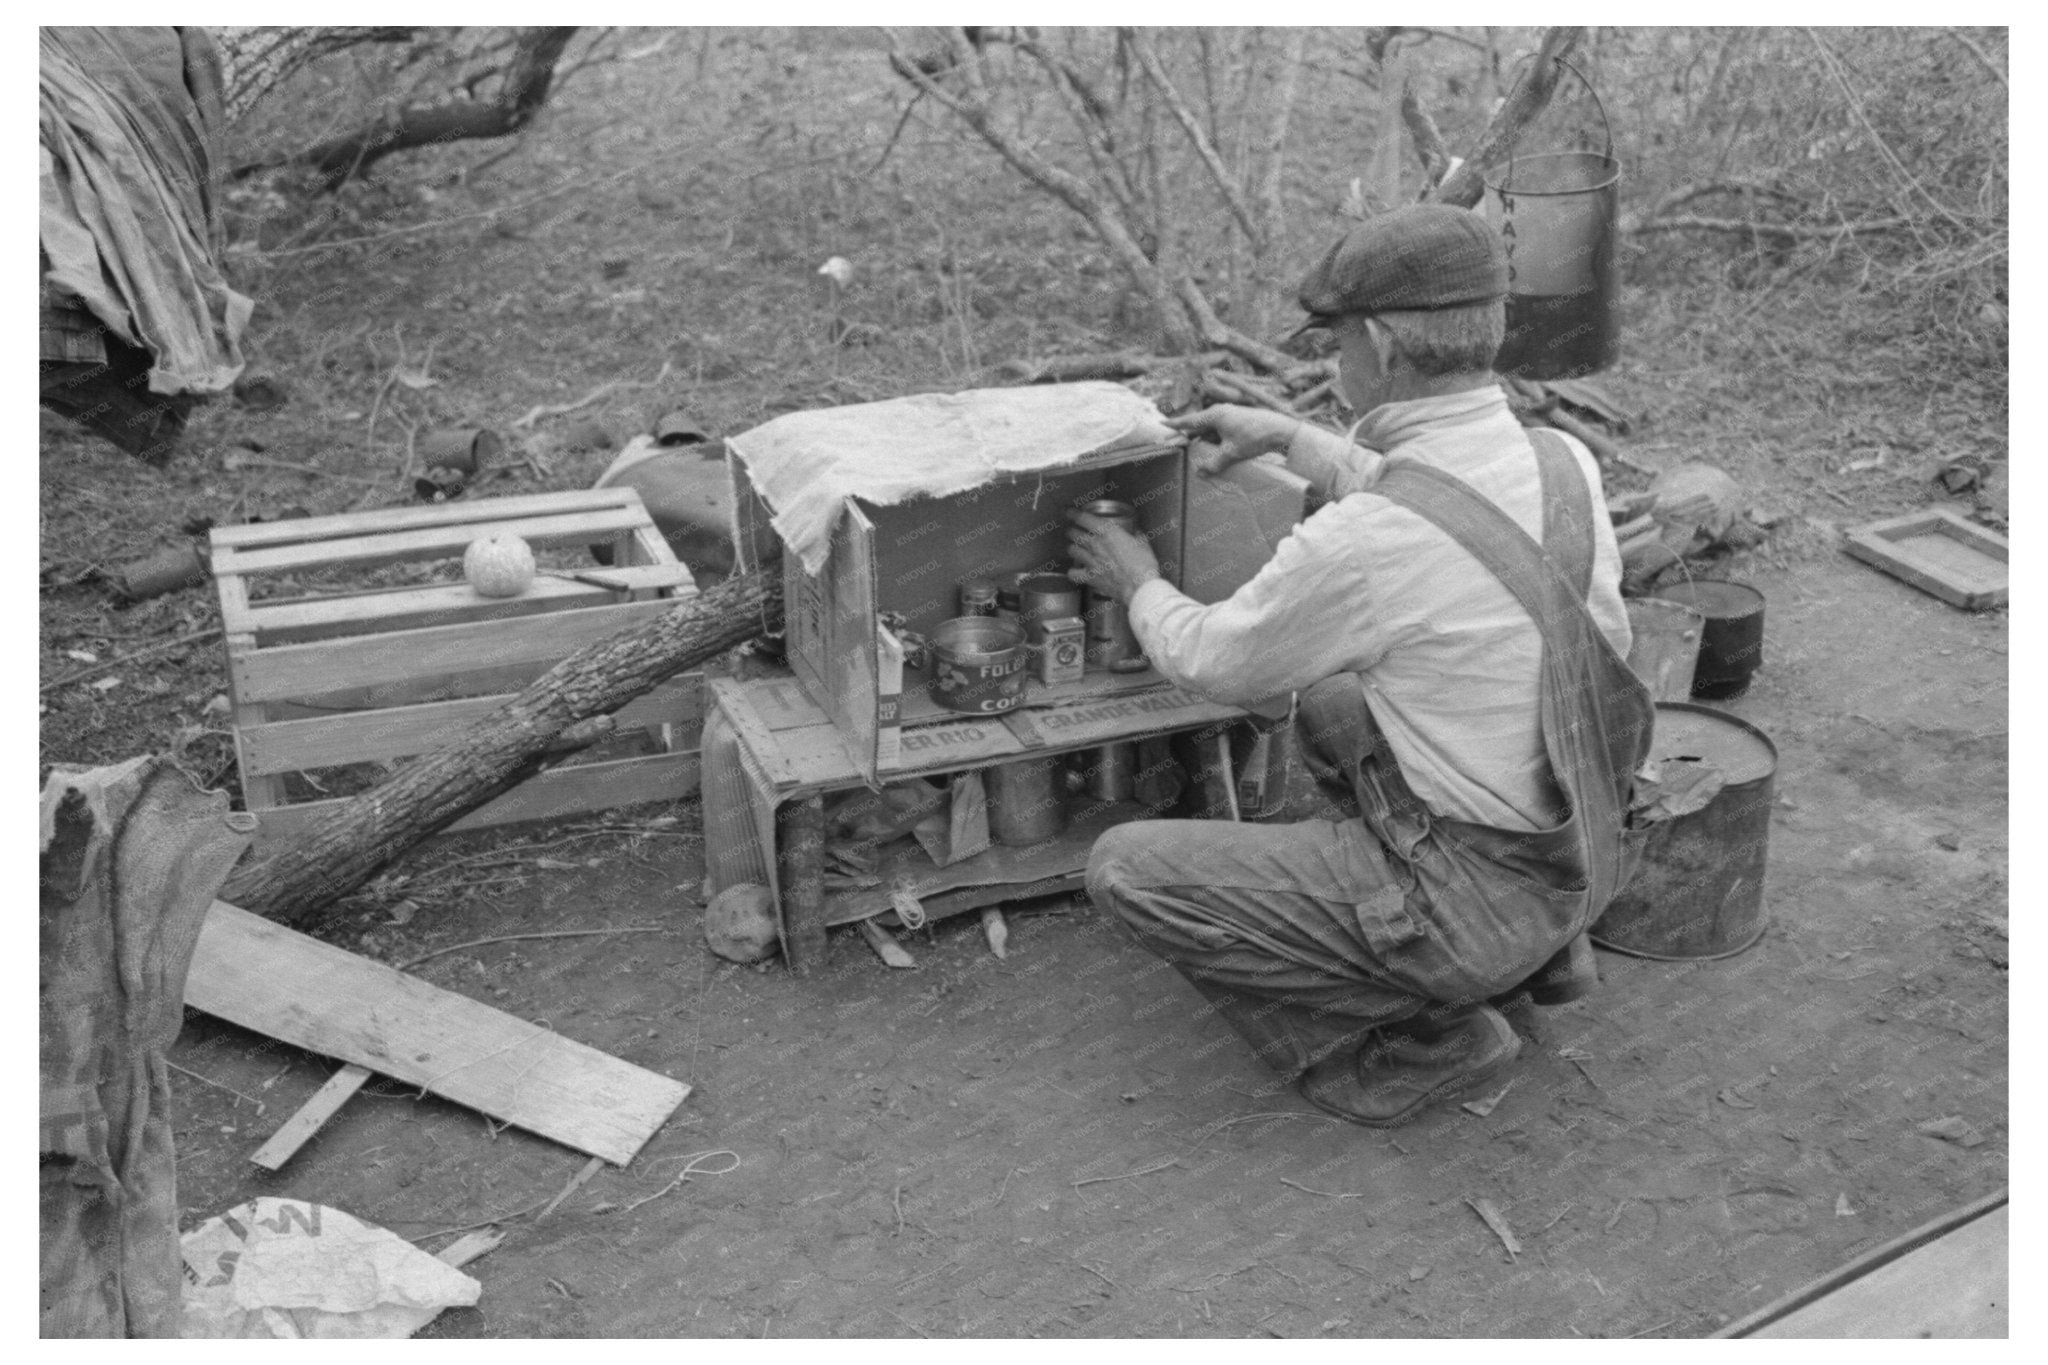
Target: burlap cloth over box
[806,464]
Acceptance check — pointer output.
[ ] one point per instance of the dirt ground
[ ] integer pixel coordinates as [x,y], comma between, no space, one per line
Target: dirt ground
[1063,1143]
[914,1151]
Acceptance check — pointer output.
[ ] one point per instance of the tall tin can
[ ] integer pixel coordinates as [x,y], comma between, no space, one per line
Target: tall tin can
[1110,639]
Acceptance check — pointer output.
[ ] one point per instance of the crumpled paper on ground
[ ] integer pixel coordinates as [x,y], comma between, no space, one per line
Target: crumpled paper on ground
[286,1268]
[1668,788]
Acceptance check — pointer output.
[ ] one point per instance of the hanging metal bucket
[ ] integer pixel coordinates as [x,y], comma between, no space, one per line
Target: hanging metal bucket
[1559,215]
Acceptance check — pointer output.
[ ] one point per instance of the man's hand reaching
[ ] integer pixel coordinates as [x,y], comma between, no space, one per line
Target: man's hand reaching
[1236,433]
[1107,557]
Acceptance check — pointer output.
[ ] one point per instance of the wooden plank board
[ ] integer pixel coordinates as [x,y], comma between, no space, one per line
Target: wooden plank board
[372,549]
[260,975]
[551,795]
[307,670]
[1940,553]
[736,700]
[297,1130]
[1954,1287]
[814,757]
[402,731]
[445,604]
[467,512]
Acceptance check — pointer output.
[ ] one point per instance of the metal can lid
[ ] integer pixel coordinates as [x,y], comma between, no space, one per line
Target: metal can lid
[1109,507]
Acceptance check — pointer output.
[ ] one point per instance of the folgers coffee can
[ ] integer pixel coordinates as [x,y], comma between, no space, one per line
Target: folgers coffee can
[977,665]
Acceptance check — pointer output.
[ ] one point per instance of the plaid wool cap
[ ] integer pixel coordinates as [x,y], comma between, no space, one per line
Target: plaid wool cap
[1419,257]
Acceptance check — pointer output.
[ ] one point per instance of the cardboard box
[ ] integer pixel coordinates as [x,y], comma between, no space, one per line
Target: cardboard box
[907,561]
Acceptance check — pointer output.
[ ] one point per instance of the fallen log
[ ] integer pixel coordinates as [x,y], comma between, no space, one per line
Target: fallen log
[560,709]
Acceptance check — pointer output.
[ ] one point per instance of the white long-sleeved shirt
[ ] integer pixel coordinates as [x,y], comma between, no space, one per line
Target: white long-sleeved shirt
[1449,657]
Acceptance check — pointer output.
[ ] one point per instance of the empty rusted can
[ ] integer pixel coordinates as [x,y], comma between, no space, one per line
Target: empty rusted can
[1698,892]
[466,449]
[171,568]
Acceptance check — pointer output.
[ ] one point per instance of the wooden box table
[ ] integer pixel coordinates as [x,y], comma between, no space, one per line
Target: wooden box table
[794,757]
[326,670]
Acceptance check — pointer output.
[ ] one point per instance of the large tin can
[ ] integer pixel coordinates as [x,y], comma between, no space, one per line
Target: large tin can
[977,665]
[1024,802]
[1045,597]
[1110,638]
[1698,892]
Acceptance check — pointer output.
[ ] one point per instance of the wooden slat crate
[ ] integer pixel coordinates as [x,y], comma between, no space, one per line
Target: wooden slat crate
[356,674]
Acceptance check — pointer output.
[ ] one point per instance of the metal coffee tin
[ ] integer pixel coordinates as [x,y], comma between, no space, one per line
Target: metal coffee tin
[977,665]
[977,597]
[1060,653]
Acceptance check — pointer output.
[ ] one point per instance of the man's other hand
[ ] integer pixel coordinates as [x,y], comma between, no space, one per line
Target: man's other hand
[1107,557]
[1239,434]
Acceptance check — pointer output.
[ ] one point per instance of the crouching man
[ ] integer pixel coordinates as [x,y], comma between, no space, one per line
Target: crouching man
[1454,624]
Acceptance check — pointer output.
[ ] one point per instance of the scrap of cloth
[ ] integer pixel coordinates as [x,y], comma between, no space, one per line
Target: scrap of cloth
[131,858]
[131,121]
[806,464]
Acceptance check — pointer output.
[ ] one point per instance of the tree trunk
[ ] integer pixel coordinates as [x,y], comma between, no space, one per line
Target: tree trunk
[524,90]
[356,841]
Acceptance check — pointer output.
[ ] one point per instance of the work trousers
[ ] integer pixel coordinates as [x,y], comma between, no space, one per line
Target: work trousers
[1303,936]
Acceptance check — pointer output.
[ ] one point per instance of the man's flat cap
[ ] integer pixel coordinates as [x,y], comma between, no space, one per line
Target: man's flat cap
[1422,256]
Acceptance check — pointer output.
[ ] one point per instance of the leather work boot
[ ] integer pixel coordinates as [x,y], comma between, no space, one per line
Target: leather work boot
[1406,1066]
[1570,974]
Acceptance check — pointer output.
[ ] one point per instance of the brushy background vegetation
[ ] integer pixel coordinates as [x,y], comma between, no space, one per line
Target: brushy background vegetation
[672,203]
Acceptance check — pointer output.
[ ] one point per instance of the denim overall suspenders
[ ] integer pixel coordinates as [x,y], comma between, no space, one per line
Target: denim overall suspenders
[1483,906]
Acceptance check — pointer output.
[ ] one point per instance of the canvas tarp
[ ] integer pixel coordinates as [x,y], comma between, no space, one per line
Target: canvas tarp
[130,222]
[806,464]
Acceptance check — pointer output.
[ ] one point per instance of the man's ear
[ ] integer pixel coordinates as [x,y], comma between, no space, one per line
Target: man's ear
[1383,344]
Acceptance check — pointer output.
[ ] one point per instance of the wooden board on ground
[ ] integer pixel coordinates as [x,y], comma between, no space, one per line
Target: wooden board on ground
[263,976]
[297,1130]
[1939,552]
